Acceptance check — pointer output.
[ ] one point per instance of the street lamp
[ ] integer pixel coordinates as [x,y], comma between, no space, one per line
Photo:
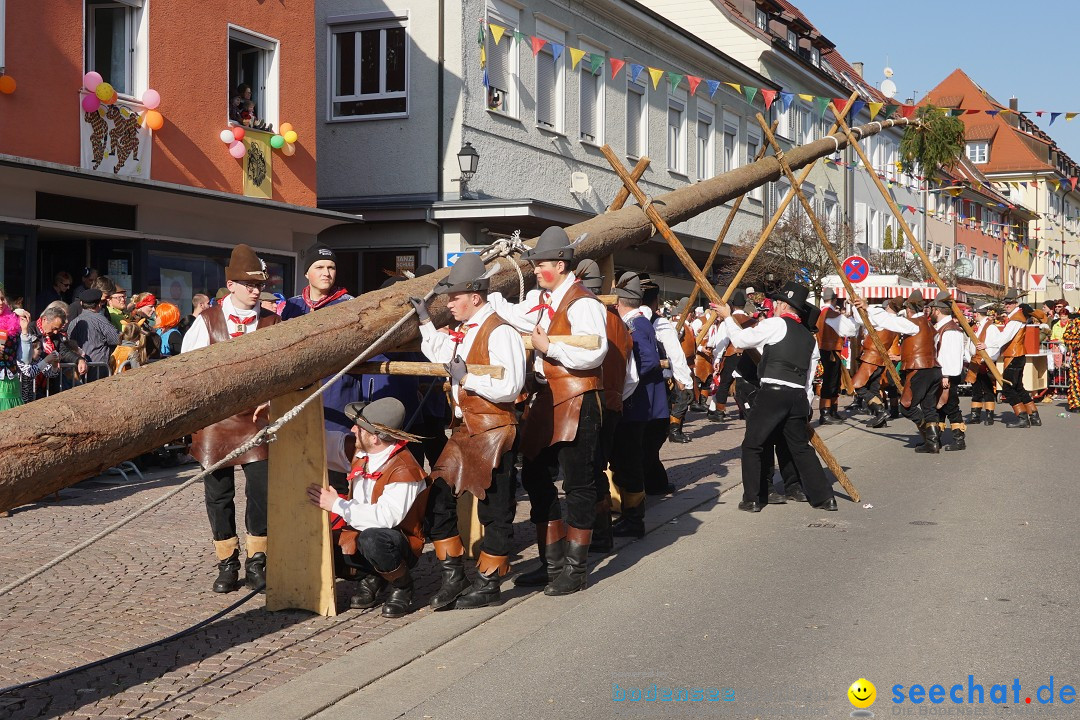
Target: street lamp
[468,160]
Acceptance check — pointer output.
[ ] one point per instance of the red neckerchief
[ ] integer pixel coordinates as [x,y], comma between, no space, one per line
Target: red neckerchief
[545,306]
[792,316]
[336,521]
[459,335]
[335,293]
[241,322]
[46,338]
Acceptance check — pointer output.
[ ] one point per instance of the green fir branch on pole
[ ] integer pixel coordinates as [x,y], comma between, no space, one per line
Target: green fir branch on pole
[935,141]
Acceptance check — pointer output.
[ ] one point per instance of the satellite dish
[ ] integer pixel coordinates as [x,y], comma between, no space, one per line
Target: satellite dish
[888,88]
[964,268]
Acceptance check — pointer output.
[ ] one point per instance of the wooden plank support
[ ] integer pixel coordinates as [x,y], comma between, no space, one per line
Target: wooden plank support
[710,292]
[300,562]
[921,253]
[820,231]
[425,369]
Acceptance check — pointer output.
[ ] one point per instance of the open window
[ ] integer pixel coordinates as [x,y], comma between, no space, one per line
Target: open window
[503,92]
[116,45]
[253,66]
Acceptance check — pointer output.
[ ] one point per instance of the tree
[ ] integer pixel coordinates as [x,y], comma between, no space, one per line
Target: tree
[888,243]
[935,141]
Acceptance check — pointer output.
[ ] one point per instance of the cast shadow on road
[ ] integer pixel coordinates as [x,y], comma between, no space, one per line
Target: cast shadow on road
[101,490]
[58,697]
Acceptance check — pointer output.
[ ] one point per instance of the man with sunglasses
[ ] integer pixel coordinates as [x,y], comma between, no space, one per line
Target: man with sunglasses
[236,315]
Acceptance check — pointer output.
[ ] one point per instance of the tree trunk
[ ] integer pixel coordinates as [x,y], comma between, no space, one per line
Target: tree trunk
[55,442]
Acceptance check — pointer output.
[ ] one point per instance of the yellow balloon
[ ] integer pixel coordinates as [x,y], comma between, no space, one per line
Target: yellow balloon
[104,91]
[290,136]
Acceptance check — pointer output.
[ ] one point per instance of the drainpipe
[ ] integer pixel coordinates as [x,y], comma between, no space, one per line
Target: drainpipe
[439,134]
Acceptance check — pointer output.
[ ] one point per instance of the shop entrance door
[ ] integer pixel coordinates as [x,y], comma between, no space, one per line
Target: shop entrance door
[381,264]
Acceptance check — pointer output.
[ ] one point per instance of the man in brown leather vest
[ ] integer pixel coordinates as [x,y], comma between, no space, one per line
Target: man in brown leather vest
[479,457]
[983,384]
[831,331]
[562,425]
[867,381]
[379,526]
[1007,344]
[236,315]
[922,380]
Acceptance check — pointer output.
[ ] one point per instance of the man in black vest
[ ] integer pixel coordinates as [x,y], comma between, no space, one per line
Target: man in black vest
[783,404]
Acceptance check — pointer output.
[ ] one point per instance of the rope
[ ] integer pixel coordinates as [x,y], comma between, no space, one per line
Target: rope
[266,435]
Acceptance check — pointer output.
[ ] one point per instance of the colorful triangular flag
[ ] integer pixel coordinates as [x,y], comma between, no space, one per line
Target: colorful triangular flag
[840,104]
[1069,116]
[907,110]
[596,61]
[537,44]
[890,108]
[786,99]
[807,98]
[519,37]
[875,108]
[822,104]
[496,32]
[483,57]
[1054,116]
[750,93]
[575,57]
[992,113]
[557,50]
[655,74]
[856,108]
[635,71]
[735,86]
[673,80]
[694,81]
[714,85]
[616,66]
[768,96]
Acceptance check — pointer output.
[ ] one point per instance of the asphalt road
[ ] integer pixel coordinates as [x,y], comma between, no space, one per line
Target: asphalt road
[964,565]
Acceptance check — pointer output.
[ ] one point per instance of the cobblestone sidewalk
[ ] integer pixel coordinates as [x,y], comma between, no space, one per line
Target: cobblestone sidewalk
[152,579]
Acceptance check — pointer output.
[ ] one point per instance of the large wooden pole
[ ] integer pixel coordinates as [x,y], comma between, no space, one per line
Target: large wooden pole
[878,345]
[716,245]
[676,246]
[55,442]
[918,249]
[624,194]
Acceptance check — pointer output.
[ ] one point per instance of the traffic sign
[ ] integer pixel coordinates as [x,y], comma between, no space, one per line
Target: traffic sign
[1038,282]
[453,257]
[856,268]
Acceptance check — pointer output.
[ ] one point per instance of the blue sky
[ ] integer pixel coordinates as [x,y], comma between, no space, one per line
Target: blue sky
[1009,48]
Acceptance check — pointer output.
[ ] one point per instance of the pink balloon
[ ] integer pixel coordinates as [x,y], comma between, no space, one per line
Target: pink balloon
[91,80]
[238,150]
[151,99]
[90,103]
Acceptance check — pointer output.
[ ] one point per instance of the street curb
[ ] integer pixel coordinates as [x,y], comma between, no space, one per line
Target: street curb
[319,689]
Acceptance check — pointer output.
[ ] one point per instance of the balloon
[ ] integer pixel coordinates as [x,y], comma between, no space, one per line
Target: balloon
[151,99]
[104,91]
[285,127]
[227,137]
[238,150]
[238,133]
[289,149]
[112,100]
[290,136]
[90,103]
[7,84]
[91,80]
[153,119]
[276,142]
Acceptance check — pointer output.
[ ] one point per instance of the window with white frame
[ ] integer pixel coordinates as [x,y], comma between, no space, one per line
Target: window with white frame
[504,85]
[549,79]
[753,144]
[780,191]
[731,143]
[815,57]
[705,165]
[676,131]
[369,68]
[761,19]
[978,152]
[832,212]
[591,93]
[792,40]
[116,44]
[805,131]
[785,122]
[637,125]
[253,63]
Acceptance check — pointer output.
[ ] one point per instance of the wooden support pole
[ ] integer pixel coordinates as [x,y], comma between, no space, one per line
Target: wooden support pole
[710,292]
[401,367]
[719,241]
[587,342]
[624,193]
[777,214]
[920,252]
[874,337]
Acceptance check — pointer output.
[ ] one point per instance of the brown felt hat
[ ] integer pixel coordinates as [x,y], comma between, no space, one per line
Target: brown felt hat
[245,266]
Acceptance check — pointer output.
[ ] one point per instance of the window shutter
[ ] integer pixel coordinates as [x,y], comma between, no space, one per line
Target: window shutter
[588,105]
[499,64]
[545,89]
[633,123]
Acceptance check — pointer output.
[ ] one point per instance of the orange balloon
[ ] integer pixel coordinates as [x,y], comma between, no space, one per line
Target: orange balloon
[112,100]
[153,119]
[285,127]
[7,84]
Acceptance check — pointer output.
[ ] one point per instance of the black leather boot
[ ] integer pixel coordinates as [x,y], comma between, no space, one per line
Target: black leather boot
[1034,418]
[631,522]
[574,575]
[990,418]
[880,418]
[975,416]
[228,578]
[367,592]
[894,409]
[549,538]
[1023,420]
[825,418]
[485,591]
[602,539]
[450,555]
[932,439]
[959,441]
[716,415]
[255,571]
[401,592]
[676,434]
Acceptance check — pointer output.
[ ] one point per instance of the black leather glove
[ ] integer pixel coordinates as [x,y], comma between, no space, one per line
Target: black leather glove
[457,369]
[421,309]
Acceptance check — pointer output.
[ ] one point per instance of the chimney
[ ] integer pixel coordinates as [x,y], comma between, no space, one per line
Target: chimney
[858,68]
[1014,104]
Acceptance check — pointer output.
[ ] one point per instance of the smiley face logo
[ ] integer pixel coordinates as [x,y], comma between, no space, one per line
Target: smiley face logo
[862,693]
